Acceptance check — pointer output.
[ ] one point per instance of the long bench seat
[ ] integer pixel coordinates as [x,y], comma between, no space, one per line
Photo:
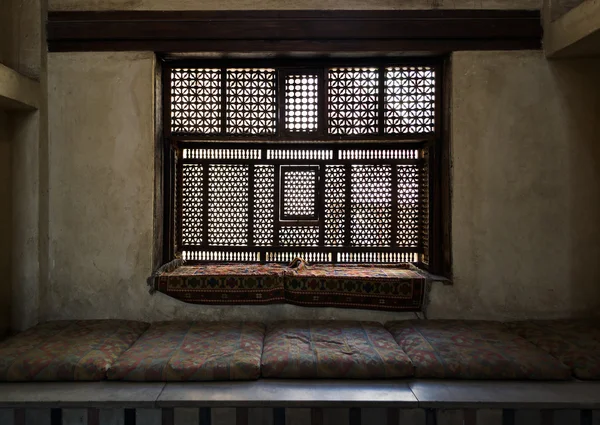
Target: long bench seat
[205,351]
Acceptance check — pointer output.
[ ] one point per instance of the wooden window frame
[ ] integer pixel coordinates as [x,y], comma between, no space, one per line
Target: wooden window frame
[437,143]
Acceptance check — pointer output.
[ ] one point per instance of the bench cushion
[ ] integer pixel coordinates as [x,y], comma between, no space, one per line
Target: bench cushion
[193,351]
[332,349]
[380,287]
[227,283]
[67,350]
[472,350]
[576,343]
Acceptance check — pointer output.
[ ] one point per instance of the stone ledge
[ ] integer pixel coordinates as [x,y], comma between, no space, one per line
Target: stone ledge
[436,394]
[404,394]
[17,92]
[80,394]
[289,393]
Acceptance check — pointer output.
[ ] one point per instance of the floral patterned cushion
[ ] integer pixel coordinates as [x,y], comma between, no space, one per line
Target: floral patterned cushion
[332,349]
[81,350]
[193,351]
[576,343]
[472,350]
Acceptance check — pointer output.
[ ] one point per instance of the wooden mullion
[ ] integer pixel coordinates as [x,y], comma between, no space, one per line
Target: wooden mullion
[321,205]
[313,137]
[205,215]
[443,103]
[300,162]
[348,212]
[276,203]
[179,194]
[395,201]
[251,205]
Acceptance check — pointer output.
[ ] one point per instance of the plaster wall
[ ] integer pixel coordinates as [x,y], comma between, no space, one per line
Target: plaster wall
[25,220]
[526,193]
[5,223]
[22,48]
[526,187]
[21,35]
[64,5]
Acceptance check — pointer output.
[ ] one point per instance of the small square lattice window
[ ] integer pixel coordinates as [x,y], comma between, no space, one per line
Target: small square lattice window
[301,103]
[299,193]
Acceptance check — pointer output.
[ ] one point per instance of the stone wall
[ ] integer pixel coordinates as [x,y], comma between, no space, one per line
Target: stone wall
[5,220]
[526,192]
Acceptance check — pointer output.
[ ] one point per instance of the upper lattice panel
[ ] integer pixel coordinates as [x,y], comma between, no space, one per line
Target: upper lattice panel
[303,103]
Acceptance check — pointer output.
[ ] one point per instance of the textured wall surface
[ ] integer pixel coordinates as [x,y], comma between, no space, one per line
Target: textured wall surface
[526,187]
[526,192]
[289,5]
[22,48]
[5,222]
[25,222]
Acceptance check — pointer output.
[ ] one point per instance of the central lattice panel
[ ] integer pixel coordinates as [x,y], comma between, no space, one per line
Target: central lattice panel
[299,193]
[359,205]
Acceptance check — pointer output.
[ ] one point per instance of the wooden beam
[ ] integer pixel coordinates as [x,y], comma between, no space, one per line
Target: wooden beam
[576,33]
[17,91]
[283,31]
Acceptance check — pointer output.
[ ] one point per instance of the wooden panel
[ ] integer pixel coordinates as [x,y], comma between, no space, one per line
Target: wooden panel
[318,31]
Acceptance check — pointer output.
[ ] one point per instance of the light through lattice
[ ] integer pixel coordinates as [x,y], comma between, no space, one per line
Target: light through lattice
[251,101]
[264,195]
[301,103]
[371,205]
[263,205]
[408,205]
[353,101]
[299,236]
[299,193]
[335,205]
[228,205]
[340,189]
[195,100]
[409,99]
[192,208]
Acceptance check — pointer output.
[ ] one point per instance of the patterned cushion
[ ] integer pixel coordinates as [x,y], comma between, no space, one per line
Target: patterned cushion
[576,343]
[193,351]
[227,283]
[67,350]
[399,287]
[332,349]
[472,350]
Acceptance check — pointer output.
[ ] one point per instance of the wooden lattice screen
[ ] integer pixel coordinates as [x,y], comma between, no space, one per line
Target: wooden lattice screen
[326,162]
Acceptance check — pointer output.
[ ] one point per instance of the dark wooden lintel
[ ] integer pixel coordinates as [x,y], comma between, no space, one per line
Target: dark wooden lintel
[295,31]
